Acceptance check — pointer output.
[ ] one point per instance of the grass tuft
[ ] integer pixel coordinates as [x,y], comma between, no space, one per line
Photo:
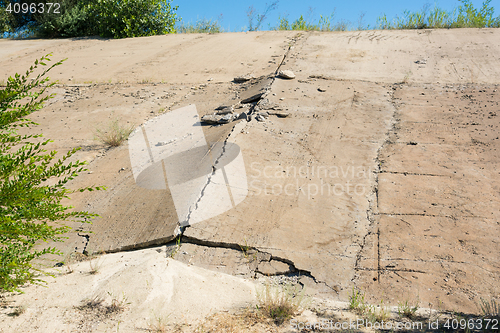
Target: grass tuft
[115,134]
[18,311]
[280,303]
[357,301]
[407,310]
[377,314]
[489,308]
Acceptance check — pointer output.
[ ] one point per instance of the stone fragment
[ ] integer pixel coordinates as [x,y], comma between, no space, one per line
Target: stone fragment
[243,78]
[260,117]
[211,119]
[279,114]
[286,74]
[223,109]
[255,91]
[321,89]
[226,119]
[273,267]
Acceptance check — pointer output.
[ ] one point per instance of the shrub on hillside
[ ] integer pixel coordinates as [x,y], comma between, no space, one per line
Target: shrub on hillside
[107,18]
[30,208]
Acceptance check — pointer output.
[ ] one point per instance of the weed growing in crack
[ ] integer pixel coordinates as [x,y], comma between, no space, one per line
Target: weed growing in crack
[245,248]
[280,303]
[407,310]
[177,247]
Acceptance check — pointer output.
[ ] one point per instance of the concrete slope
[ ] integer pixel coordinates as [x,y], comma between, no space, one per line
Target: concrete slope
[382,176]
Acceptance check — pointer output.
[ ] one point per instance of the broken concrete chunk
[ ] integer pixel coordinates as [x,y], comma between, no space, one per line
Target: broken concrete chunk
[243,78]
[243,116]
[273,267]
[263,103]
[260,117]
[253,97]
[226,119]
[217,119]
[256,90]
[286,74]
[210,119]
[221,110]
[279,114]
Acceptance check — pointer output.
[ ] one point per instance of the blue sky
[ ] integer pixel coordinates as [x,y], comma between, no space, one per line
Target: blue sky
[234,16]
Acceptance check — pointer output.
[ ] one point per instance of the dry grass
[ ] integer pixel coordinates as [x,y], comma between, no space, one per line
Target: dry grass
[407,309]
[357,302]
[19,310]
[280,303]
[489,308]
[94,311]
[158,326]
[114,134]
[250,321]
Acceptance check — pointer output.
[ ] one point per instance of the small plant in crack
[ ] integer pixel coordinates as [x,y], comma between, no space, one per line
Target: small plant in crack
[177,247]
[245,248]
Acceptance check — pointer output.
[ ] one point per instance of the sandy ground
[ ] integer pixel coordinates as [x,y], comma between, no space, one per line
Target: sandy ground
[389,156]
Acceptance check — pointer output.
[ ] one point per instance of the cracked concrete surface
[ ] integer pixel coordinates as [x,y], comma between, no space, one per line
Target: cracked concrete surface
[383,177]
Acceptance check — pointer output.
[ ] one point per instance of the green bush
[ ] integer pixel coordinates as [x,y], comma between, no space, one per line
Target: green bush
[107,18]
[5,18]
[30,208]
[73,21]
[131,18]
[201,26]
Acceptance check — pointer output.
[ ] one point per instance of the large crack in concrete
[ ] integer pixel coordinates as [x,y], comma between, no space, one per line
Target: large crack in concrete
[180,229]
[265,256]
[373,198]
